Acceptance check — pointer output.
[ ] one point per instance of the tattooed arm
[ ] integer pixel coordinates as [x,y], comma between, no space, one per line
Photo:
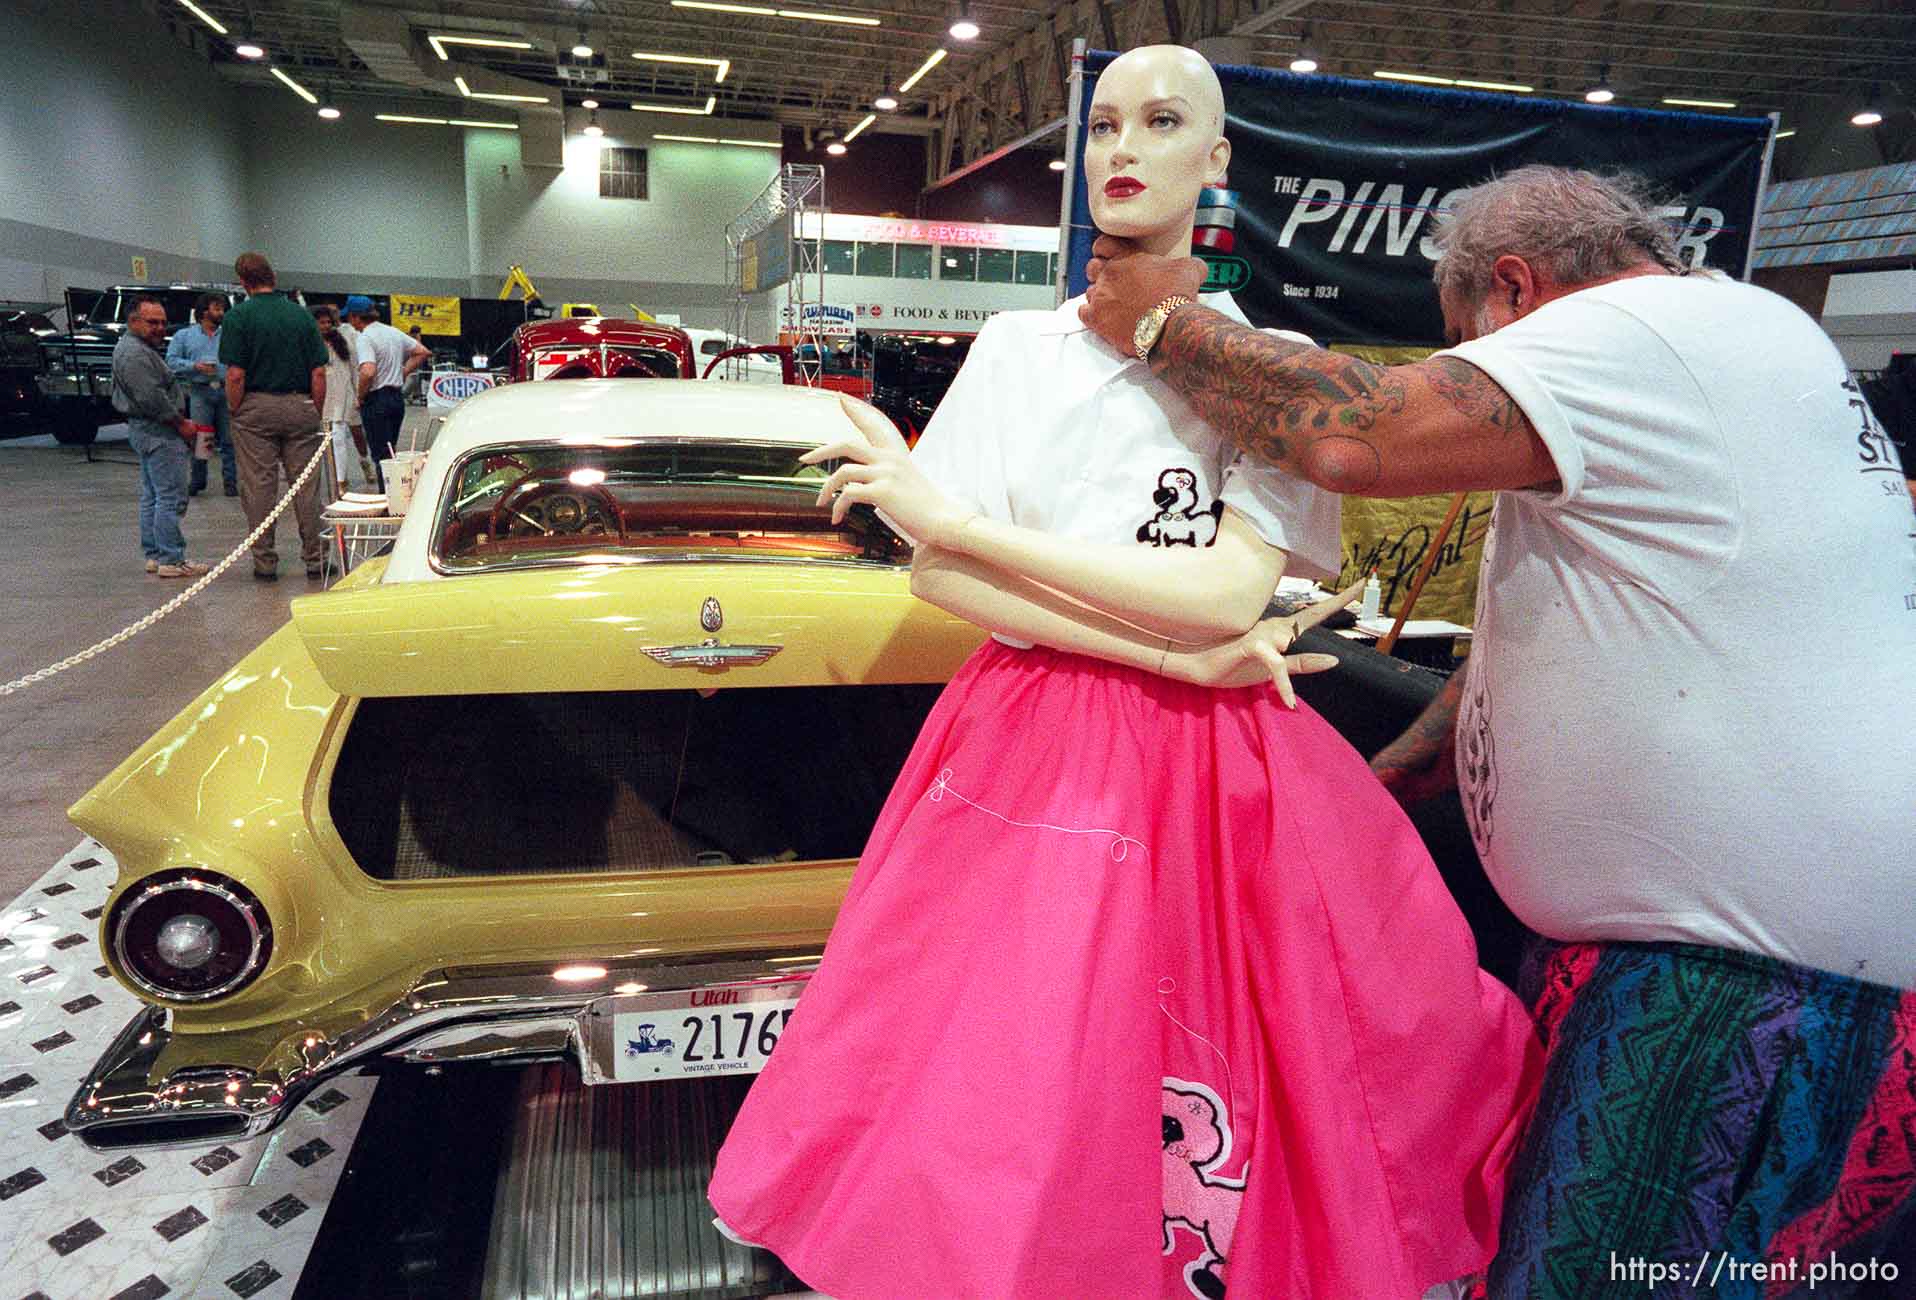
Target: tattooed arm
[1441,425]
[1423,761]
[1384,431]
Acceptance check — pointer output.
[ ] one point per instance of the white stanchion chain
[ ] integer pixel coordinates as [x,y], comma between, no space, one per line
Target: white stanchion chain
[299,484]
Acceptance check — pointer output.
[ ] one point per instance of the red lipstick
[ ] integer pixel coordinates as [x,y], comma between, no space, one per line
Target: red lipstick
[1123,187]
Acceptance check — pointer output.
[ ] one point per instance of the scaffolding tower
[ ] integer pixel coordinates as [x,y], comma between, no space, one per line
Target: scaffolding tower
[768,245]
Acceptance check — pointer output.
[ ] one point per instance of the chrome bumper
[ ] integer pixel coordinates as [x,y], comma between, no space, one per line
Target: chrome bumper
[136,1097]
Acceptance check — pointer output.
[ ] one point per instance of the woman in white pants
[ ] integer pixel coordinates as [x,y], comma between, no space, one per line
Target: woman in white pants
[340,415]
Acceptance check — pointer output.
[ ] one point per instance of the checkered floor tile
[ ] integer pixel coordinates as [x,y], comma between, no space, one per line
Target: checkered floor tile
[230,1219]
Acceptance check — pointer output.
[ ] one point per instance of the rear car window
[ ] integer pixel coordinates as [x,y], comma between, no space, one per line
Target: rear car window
[561,503]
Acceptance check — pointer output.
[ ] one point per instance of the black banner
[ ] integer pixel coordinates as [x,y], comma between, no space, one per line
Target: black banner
[1333,183]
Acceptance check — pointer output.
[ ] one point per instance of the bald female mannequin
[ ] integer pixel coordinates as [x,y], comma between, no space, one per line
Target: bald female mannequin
[1129,986]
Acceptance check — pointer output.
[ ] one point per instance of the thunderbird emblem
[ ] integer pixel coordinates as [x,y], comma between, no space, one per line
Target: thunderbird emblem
[711,617]
[709,653]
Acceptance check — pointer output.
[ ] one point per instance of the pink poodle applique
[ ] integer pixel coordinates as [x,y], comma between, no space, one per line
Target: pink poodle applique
[1197,1141]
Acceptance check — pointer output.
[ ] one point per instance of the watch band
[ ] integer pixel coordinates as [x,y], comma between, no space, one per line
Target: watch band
[1157,316]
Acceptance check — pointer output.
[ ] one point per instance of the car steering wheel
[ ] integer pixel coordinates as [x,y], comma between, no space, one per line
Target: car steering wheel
[539,484]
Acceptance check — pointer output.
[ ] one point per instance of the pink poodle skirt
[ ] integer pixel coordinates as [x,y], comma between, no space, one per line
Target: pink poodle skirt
[1093,893]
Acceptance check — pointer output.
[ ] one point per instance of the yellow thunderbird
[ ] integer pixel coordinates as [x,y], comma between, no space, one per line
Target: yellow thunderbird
[580,770]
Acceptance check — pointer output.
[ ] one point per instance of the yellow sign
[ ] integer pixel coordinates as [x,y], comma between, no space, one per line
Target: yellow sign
[432,315]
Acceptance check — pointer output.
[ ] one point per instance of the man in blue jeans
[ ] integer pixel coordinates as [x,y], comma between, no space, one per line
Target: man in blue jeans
[194,358]
[386,357]
[149,397]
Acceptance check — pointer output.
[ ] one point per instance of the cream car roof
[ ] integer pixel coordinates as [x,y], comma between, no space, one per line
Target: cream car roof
[595,410]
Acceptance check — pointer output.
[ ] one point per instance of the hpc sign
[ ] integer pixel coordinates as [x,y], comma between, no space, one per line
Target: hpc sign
[448,388]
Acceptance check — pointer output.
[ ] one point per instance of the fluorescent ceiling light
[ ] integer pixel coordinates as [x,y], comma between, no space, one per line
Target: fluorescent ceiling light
[1056,165]
[686,139]
[760,10]
[1781,134]
[937,57]
[203,16]
[400,117]
[813,16]
[1701,103]
[711,102]
[495,126]
[464,89]
[1417,77]
[1509,87]
[722,66]
[864,122]
[440,41]
[511,99]
[295,87]
[753,144]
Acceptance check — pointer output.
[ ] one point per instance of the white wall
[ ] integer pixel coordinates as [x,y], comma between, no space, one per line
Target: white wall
[668,250]
[114,140]
[357,202]
[1870,315]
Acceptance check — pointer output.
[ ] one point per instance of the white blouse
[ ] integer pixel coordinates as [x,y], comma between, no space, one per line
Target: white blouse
[1048,427]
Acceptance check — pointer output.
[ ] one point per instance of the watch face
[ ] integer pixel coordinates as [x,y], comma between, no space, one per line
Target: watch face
[1147,331]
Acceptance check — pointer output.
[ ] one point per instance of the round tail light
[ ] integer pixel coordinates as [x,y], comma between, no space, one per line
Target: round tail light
[187,936]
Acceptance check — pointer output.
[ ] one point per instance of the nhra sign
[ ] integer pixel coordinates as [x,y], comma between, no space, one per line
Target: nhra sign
[1335,185]
[447,388]
[826,319]
[433,315]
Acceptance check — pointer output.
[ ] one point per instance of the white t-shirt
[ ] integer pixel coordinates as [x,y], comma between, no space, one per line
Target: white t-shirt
[1691,707]
[387,349]
[1048,427]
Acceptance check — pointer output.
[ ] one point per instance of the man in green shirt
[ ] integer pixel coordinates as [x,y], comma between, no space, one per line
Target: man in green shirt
[275,388]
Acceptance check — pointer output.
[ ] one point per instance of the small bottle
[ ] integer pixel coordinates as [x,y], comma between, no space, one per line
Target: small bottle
[1373,594]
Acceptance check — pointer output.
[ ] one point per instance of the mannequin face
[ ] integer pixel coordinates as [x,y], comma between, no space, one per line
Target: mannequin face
[1152,142]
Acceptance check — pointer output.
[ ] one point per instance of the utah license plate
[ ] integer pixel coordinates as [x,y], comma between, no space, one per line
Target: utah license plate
[695,1033]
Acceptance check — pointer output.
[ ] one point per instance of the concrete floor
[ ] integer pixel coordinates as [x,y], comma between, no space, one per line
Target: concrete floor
[72,575]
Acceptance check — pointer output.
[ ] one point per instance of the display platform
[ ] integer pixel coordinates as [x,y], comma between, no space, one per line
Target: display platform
[223,1219]
[426,1184]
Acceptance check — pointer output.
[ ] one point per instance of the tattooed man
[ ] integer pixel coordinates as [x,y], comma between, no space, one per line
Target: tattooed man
[1710,833]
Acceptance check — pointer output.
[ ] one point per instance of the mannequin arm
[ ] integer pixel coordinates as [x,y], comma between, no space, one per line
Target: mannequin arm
[1018,607]
[1190,593]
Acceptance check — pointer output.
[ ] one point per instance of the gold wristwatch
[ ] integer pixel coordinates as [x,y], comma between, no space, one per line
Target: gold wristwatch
[1151,324]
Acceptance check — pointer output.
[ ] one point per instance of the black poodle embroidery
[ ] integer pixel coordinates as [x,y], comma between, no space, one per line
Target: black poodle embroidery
[1180,520]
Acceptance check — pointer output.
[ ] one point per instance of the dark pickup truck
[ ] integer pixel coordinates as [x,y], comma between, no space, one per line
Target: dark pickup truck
[76,367]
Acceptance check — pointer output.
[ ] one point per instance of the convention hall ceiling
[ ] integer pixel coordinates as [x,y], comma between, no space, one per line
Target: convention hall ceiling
[820,65]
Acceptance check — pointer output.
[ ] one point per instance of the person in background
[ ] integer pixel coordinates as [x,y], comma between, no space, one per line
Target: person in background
[149,396]
[340,418]
[194,358]
[386,357]
[416,380]
[275,387]
[1709,821]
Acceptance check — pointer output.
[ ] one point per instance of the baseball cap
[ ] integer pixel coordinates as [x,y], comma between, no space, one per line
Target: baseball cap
[359,305]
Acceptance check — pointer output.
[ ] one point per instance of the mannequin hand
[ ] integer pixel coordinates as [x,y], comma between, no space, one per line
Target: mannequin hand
[1126,283]
[873,423]
[1259,654]
[884,477]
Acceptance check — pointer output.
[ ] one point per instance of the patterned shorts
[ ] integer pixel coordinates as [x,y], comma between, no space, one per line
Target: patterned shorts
[1713,1124]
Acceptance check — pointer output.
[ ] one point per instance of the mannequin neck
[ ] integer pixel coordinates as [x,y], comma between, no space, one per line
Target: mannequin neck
[1173,242]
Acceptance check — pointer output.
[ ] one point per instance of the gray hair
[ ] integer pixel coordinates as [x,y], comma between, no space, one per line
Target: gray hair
[1575,226]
